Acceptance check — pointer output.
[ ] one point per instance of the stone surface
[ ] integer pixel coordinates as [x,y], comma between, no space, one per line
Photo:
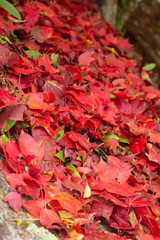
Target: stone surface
[9,219]
[108,9]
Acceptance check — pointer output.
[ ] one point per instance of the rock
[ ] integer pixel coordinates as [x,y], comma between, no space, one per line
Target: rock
[9,221]
[142,21]
[108,9]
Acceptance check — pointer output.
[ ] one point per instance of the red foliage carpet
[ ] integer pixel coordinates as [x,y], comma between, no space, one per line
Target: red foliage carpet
[79,124]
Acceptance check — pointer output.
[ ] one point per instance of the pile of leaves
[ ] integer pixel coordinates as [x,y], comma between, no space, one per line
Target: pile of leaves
[79,123]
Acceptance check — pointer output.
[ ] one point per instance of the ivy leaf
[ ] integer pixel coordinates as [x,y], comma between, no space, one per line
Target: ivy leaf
[10,124]
[10,8]
[149,67]
[59,135]
[60,155]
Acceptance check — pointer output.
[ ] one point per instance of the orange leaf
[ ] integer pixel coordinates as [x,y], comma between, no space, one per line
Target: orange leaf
[68,202]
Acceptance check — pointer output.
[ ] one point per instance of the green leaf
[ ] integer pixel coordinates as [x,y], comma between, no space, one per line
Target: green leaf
[97,150]
[42,13]
[123,140]
[9,125]
[33,53]
[90,12]
[82,74]
[120,139]
[23,125]
[79,158]
[71,167]
[54,58]
[149,67]
[59,135]
[124,4]
[60,155]
[4,139]
[112,96]
[10,8]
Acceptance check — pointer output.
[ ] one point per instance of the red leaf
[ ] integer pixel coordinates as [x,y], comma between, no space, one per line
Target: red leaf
[36,101]
[30,147]
[15,200]
[138,147]
[47,63]
[140,200]
[57,89]
[14,112]
[12,154]
[15,180]
[48,217]
[102,209]
[32,15]
[6,98]
[49,97]
[76,137]
[35,207]
[4,56]
[85,58]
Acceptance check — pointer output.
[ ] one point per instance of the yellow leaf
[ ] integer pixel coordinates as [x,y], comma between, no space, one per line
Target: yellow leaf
[87,192]
[111,49]
[64,214]
[19,221]
[133,219]
[7,40]
[73,233]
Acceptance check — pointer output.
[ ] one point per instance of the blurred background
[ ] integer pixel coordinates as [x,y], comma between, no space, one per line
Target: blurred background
[139,20]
